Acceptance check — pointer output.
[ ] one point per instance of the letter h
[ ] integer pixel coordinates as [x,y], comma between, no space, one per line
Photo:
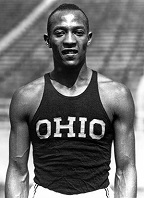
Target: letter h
[68,126]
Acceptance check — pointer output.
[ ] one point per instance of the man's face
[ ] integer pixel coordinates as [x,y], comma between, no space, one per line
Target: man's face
[69,38]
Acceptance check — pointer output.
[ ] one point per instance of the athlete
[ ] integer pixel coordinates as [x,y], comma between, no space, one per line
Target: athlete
[71,116]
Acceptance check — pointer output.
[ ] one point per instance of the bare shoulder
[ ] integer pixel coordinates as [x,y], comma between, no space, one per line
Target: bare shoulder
[111,87]
[114,95]
[27,97]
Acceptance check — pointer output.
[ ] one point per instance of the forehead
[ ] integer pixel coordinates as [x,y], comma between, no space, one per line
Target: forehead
[68,18]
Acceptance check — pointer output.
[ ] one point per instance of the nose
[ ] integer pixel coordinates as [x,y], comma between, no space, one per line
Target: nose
[69,40]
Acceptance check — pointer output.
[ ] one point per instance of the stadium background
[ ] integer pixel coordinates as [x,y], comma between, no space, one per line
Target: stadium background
[117,51]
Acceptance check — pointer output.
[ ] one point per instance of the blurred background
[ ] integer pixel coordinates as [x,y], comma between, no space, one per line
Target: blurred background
[117,51]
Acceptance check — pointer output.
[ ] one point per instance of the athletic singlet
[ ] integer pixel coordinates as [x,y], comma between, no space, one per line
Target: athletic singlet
[71,138]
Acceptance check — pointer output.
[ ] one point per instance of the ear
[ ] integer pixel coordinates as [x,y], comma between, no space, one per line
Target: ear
[46,38]
[89,38]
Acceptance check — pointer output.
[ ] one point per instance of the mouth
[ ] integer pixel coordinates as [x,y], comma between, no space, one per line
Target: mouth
[69,52]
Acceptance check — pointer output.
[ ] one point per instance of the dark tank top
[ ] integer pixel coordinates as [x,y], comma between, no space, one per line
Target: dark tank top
[71,138]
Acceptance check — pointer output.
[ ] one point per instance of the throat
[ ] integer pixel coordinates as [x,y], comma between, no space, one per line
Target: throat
[65,78]
[73,86]
[69,76]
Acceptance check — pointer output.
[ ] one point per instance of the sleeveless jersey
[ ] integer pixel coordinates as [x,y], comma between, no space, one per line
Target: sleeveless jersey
[71,138]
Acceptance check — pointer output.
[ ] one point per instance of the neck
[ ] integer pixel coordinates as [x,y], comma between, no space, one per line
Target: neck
[69,76]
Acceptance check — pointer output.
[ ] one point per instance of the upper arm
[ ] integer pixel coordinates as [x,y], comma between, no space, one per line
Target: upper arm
[124,140]
[19,142]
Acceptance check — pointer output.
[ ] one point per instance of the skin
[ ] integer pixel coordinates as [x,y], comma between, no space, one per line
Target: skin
[71,77]
[68,32]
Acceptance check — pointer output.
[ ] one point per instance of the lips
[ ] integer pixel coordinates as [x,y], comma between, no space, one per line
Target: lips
[69,52]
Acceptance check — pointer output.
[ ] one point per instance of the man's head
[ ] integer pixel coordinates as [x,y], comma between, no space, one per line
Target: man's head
[68,35]
[66,7]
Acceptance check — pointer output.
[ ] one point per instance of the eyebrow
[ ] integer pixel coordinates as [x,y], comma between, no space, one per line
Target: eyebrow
[73,27]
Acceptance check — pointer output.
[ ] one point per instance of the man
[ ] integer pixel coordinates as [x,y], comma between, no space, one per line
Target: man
[71,116]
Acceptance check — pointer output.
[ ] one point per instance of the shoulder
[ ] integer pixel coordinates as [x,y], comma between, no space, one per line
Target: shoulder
[26,96]
[28,92]
[116,95]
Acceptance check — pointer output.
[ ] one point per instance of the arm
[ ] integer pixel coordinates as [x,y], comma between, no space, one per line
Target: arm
[124,146]
[17,178]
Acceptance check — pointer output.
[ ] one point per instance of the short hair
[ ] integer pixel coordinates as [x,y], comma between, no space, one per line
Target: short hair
[65,7]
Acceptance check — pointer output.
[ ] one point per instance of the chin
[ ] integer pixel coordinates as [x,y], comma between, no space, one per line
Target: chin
[71,64]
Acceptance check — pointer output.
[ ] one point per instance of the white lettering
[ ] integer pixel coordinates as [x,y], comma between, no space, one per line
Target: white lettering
[48,128]
[68,126]
[44,132]
[91,129]
[82,129]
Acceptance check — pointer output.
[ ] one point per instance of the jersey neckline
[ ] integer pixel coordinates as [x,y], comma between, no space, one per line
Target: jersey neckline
[47,78]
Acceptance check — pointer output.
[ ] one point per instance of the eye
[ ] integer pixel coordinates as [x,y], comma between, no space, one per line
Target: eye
[59,33]
[79,32]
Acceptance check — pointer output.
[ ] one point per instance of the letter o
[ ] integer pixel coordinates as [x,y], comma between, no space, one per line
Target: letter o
[91,130]
[48,123]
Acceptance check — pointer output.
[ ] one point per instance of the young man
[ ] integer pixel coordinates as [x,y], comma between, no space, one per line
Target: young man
[71,116]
